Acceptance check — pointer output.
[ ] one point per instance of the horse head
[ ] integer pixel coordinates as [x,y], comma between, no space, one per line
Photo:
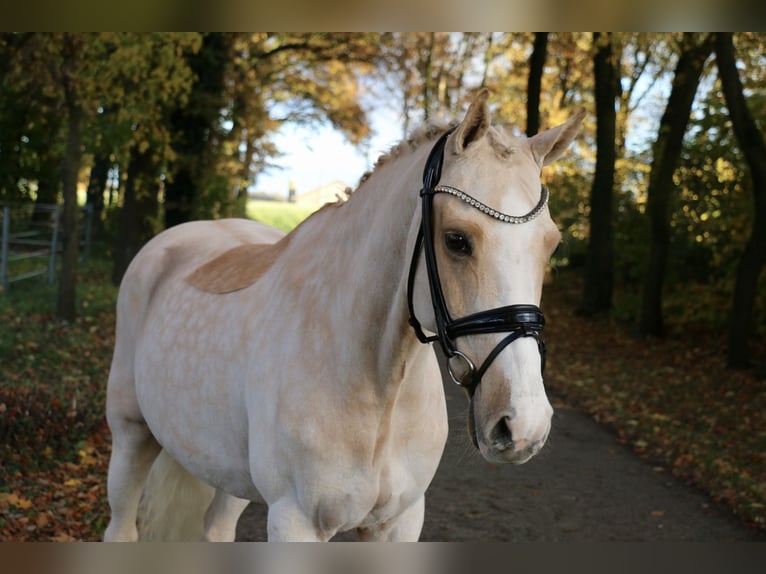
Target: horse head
[487,237]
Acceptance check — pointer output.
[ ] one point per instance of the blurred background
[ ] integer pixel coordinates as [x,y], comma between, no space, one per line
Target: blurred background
[106,139]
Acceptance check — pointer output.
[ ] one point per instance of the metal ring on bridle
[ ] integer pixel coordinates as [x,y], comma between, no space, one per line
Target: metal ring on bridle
[461,382]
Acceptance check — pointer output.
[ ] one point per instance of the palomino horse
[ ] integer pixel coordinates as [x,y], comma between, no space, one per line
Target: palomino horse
[290,368]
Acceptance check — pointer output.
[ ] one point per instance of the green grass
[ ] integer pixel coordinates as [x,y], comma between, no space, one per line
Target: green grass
[282,215]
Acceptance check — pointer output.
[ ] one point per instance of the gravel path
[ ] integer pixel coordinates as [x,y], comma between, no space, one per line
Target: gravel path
[583,486]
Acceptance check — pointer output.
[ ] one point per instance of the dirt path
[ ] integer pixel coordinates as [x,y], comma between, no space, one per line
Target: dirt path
[583,486]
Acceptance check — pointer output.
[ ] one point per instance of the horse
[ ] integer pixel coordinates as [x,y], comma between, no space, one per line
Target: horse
[290,369]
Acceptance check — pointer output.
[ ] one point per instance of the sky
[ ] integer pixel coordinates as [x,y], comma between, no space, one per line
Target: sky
[315,156]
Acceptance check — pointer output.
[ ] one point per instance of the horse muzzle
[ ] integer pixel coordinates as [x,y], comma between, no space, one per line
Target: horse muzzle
[514,436]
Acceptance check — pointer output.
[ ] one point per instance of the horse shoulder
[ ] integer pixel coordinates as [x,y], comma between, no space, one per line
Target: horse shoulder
[198,249]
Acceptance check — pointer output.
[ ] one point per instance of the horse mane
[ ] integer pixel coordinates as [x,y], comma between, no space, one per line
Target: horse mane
[498,138]
[419,136]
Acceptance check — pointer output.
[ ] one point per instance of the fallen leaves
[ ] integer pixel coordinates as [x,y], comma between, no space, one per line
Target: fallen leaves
[63,503]
[11,500]
[54,445]
[671,399]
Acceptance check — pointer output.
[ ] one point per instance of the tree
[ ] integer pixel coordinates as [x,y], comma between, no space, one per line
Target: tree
[597,290]
[534,85]
[75,77]
[64,69]
[246,86]
[694,52]
[431,71]
[72,54]
[50,67]
[753,258]
[31,136]
[139,213]
[97,180]
[642,61]
[150,77]
[194,125]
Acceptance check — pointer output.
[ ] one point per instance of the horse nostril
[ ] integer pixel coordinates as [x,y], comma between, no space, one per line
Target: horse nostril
[502,438]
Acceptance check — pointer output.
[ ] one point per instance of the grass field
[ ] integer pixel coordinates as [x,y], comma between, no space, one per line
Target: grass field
[279,214]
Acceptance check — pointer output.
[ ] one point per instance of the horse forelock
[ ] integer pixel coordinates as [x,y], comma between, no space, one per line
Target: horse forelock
[499,141]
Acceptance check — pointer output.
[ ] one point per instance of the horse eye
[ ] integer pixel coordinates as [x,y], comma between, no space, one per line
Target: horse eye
[457,243]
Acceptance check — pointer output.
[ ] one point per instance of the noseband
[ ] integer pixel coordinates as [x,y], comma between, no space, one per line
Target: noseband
[517,320]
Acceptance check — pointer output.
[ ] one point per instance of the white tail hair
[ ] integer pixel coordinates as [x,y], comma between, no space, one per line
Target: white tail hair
[173,506]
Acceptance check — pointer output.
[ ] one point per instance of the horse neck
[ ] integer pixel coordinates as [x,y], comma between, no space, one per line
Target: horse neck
[355,258]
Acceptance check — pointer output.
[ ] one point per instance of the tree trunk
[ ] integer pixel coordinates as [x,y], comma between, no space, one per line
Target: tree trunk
[487,61]
[66,305]
[240,208]
[180,195]
[428,80]
[48,185]
[138,213]
[96,187]
[534,82]
[192,127]
[599,262]
[754,256]
[666,152]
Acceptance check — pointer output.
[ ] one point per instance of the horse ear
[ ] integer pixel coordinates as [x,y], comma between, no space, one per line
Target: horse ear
[475,124]
[549,145]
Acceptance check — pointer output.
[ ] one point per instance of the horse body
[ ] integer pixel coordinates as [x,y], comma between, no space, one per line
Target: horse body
[285,368]
[194,358]
[360,442]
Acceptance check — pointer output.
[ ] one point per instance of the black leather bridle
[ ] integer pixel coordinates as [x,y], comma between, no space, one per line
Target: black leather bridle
[517,320]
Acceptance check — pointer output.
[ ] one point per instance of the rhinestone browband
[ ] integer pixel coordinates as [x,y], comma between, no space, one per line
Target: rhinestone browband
[499,215]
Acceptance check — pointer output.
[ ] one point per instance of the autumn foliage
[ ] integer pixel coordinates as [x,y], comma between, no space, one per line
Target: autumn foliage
[672,399]
[177,145]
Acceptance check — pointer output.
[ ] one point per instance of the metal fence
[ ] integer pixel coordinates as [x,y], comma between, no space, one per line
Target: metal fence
[31,240]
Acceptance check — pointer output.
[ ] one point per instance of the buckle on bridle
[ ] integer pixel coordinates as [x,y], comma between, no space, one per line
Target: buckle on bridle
[464,379]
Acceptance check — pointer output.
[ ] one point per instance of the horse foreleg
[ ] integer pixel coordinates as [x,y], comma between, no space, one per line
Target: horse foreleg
[288,523]
[222,516]
[133,452]
[404,528]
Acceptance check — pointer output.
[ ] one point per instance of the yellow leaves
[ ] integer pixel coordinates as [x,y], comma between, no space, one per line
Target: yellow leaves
[63,537]
[42,520]
[8,499]
[725,170]
[61,505]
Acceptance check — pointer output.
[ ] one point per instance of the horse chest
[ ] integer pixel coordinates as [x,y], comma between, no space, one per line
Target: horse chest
[395,493]
[370,500]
